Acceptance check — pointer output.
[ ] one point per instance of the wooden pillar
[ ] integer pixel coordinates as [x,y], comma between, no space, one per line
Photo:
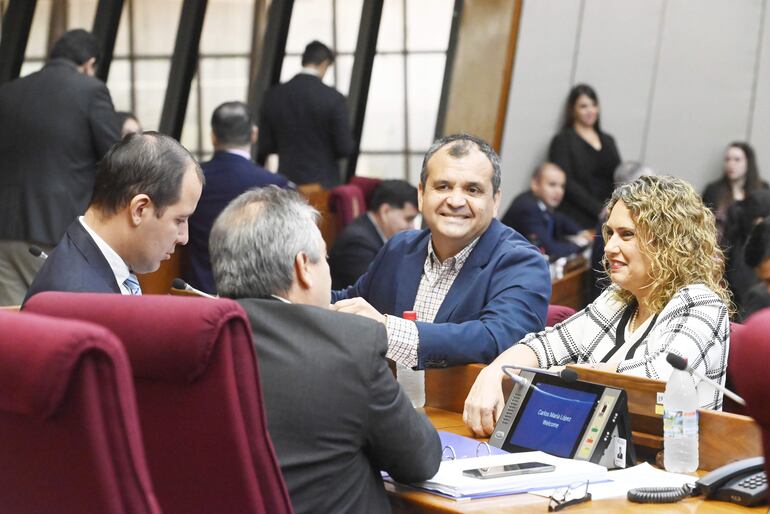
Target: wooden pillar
[479,69]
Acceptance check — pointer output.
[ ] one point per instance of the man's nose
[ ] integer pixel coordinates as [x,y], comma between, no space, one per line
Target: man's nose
[183,236]
[456,198]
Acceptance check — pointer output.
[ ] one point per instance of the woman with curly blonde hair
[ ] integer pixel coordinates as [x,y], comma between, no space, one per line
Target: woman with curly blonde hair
[662,256]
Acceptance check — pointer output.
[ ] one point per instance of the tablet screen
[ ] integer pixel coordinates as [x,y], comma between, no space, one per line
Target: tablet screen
[553,419]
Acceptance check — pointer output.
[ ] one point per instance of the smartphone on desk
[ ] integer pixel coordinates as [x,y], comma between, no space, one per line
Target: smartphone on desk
[522,468]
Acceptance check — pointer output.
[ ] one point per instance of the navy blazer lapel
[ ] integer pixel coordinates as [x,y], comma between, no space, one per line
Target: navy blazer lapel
[91,253]
[409,275]
[472,267]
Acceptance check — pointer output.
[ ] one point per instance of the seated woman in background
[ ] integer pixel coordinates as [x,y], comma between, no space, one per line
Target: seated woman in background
[587,155]
[757,256]
[740,177]
[662,256]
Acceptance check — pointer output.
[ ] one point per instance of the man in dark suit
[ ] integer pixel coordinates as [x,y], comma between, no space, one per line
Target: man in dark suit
[392,210]
[336,415]
[55,125]
[229,173]
[146,188]
[476,285]
[533,214]
[306,123]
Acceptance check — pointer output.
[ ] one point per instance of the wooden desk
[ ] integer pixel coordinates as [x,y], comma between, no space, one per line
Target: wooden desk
[404,499]
[724,438]
[570,290]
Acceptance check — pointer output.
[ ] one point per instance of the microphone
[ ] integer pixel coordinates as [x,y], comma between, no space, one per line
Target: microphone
[567,375]
[680,363]
[38,252]
[178,283]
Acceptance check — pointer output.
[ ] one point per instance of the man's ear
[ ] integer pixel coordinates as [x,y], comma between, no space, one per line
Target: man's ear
[384,209]
[88,67]
[139,208]
[420,192]
[254,134]
[498,196]
[302,271]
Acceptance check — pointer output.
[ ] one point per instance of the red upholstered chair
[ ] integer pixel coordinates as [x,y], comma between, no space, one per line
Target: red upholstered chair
[557,314]
[347,202]
[69,434]
[199,398]
[366,185]
[749,362]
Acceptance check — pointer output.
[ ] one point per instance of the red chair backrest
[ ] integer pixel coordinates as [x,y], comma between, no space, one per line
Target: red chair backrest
[69,435]
[749,364]
[366,185]
[199,398]
[557,314]
[347,202]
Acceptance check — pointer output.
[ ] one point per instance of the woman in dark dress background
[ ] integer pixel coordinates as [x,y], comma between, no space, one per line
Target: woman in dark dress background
[740,177]
[587,155]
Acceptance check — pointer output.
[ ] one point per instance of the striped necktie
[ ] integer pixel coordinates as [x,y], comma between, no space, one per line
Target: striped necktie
[132,284]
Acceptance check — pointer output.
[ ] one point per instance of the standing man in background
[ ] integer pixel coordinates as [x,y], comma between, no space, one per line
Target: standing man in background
[55,125]
[229,173]
[305,122]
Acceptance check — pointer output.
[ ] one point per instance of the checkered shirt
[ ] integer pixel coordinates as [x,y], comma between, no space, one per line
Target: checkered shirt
[437,279]
[694,324]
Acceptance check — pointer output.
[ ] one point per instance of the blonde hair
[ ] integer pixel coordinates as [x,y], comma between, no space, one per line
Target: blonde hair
[676,233]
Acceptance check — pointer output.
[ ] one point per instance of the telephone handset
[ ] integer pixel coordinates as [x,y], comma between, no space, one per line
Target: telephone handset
[743,482]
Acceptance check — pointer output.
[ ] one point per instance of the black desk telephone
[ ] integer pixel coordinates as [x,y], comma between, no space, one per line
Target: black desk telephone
[743,482]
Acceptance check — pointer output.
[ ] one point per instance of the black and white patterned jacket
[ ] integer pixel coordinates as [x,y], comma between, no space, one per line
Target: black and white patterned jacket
[694,324]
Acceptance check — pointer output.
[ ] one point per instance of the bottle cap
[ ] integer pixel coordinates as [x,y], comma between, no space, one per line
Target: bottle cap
[410,315]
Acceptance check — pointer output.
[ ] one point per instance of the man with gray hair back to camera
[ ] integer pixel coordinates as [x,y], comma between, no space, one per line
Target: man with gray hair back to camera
[336,415]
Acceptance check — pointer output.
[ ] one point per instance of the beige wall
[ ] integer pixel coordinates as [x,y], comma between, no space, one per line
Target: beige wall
[677,80]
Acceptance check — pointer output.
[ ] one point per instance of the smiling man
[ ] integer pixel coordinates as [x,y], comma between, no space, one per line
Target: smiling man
[146,188]
[477,286]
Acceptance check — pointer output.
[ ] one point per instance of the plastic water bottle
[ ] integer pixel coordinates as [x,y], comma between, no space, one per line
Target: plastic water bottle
[680,424]
[412,382]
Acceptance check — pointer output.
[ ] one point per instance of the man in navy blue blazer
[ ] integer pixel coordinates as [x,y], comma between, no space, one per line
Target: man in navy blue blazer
[533,214]
[229,173]
[146,188]
[476,285]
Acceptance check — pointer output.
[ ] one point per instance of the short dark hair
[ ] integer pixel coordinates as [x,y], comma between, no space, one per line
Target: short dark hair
[395,193]
[231,123]
[149,163]
[77,46]
[459,146]
[538,173]
[316,53]
[758,244]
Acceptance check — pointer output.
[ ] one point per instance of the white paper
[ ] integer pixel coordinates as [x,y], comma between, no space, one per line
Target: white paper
[450,481]
[641,475]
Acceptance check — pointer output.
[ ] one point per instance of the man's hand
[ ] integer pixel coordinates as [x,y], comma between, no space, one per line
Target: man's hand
[485,401]
[359,306]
